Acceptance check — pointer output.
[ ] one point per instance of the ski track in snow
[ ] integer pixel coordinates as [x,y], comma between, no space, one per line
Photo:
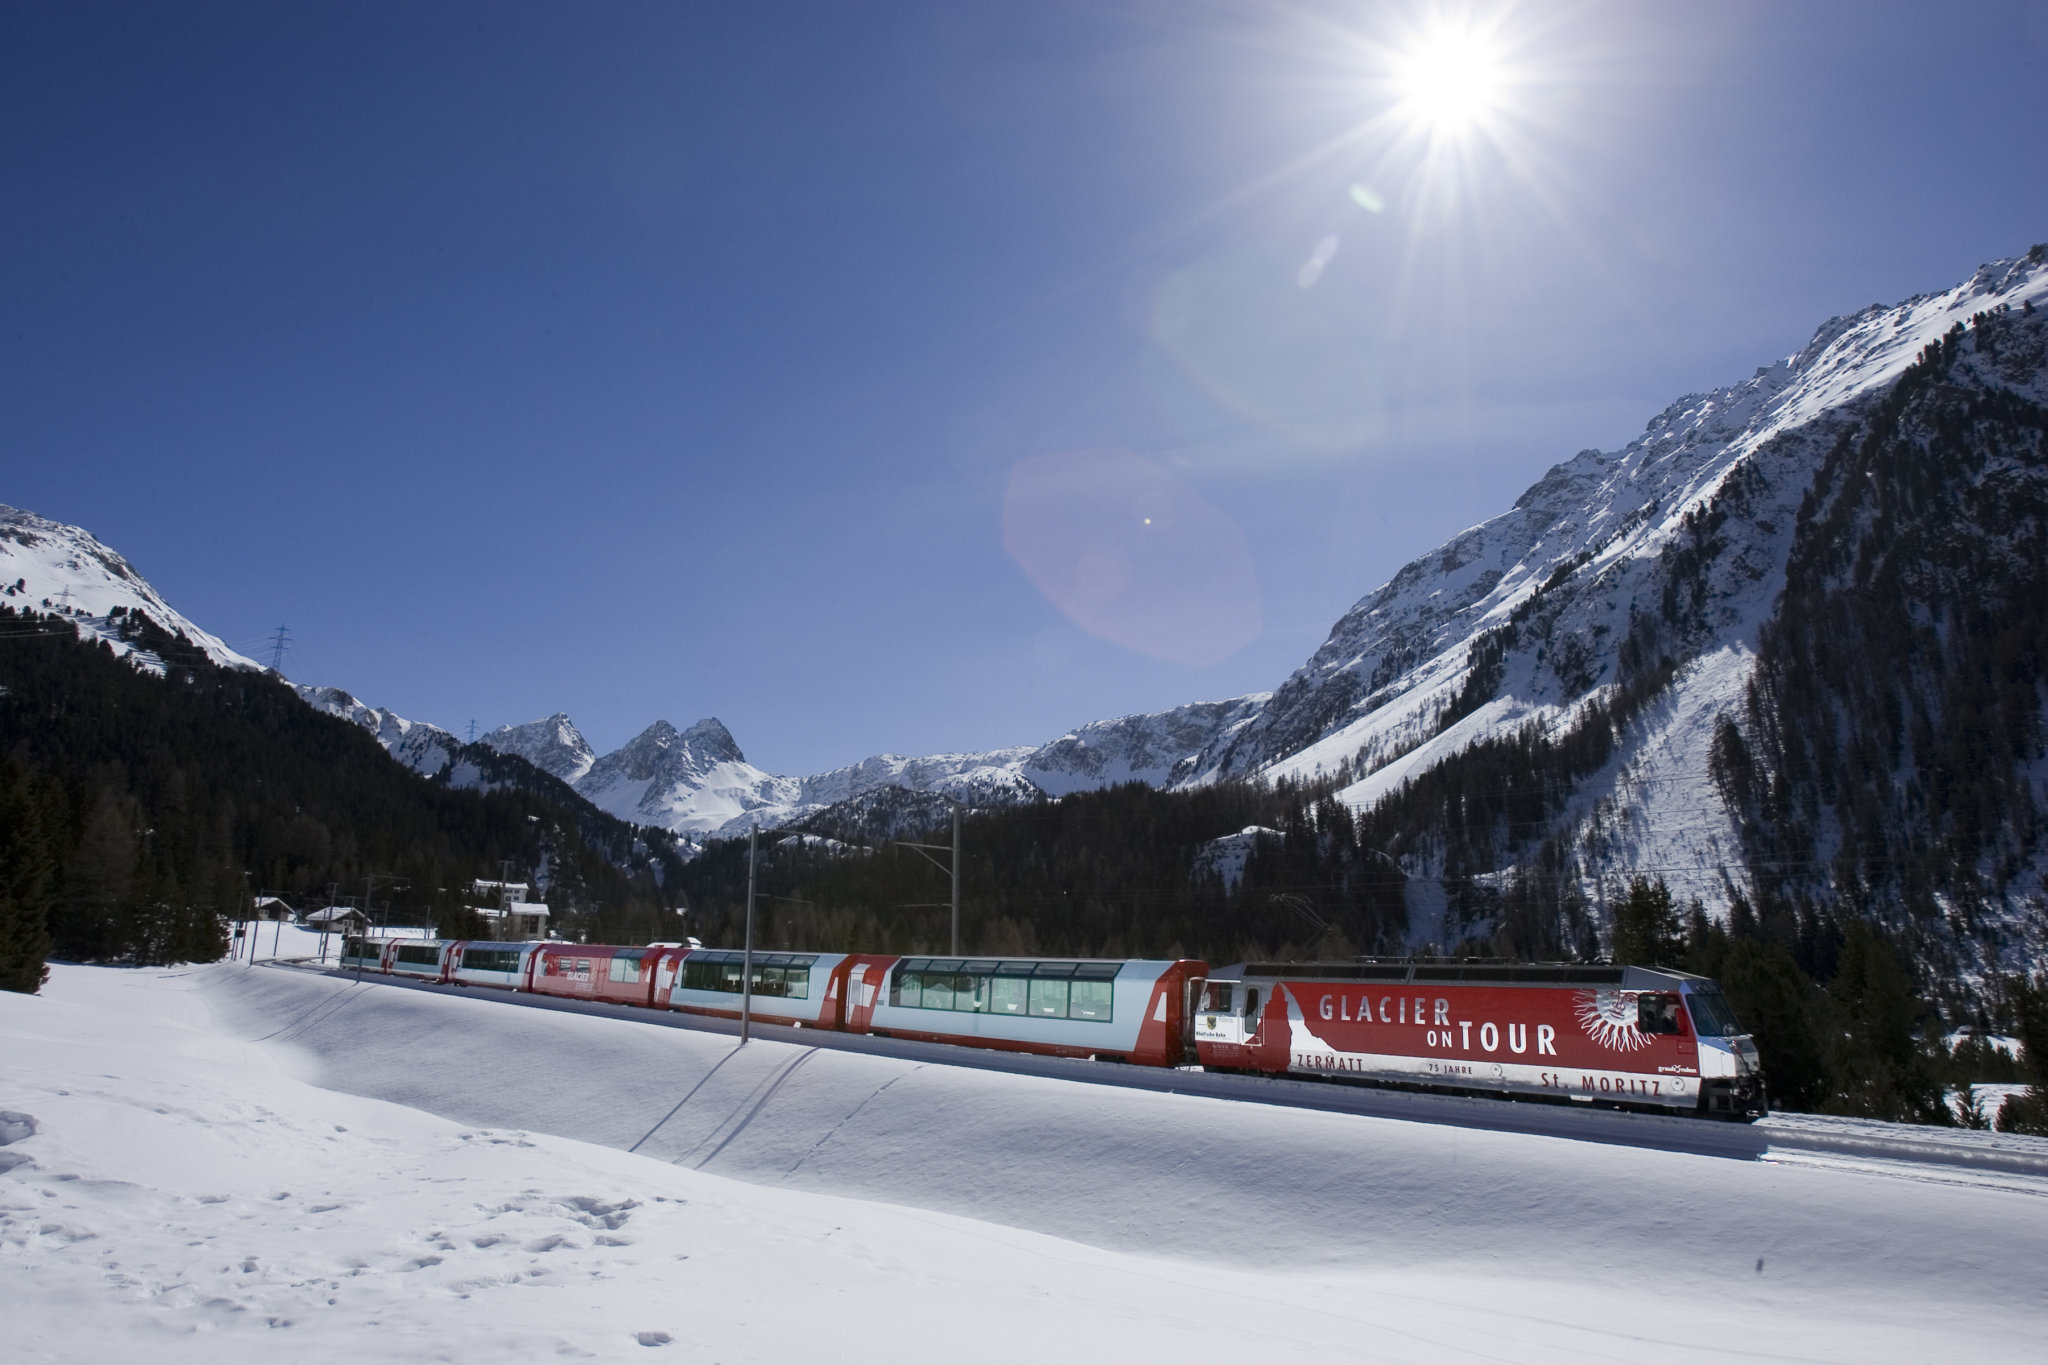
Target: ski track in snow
[191,1193]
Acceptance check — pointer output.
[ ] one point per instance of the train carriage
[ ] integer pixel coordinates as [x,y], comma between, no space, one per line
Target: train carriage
[424,959]
[503,965]
[801,989]
[1116,1010]
[621,974]
[1632,1036]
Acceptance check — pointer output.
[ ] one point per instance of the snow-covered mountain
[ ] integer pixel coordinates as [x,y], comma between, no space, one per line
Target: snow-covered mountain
[692,781]
[553,745]
[697,781]
[48,567]
[1584,546]
[426,749]
[1619,610]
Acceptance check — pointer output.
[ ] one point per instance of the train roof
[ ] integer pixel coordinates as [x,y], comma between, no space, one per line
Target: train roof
[1436,971]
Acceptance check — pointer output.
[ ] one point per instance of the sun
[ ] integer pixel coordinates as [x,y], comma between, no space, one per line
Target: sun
[1449,82]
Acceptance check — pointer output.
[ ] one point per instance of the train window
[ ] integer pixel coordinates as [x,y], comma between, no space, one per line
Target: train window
[782,975]
[490,959]
[1096,971]
[1048,999]
[1216,997]
[626,966]
[1711,1017]
[1002,988]
[1090,1000]
[421,955]
[1251,1009]
[1657,1012]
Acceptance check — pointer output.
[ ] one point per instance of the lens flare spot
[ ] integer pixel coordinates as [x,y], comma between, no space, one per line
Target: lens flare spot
[1318,261]
[1367,200]
[1176,582]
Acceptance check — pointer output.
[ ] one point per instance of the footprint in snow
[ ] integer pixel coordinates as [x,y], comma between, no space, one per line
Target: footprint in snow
[653,1338]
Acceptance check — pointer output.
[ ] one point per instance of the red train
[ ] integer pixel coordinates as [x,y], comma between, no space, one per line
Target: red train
[1635,1037]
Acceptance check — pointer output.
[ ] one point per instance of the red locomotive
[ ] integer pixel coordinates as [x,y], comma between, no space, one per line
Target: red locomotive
[1635,1036]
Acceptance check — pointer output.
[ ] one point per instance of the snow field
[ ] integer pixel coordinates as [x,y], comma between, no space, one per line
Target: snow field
[191,1193]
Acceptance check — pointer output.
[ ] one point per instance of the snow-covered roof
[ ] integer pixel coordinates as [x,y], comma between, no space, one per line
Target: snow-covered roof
[534,908]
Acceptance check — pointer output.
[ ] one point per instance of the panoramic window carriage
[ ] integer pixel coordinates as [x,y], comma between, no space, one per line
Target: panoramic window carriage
[1036,990]
[784,976]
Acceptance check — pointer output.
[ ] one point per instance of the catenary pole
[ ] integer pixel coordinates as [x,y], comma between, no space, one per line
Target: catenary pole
[747,956]
[956,879]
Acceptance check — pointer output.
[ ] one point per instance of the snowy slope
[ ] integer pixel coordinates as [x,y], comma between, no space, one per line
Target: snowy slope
[189,1196]
[48,567]
[426,749]
[1601,519]
[1674,546]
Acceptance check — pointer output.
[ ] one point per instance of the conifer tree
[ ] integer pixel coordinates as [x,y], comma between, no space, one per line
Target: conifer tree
[1646,926]
[27,876]
[1880,1068]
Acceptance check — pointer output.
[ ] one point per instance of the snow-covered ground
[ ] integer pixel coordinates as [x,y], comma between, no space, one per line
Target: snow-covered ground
[191,1193]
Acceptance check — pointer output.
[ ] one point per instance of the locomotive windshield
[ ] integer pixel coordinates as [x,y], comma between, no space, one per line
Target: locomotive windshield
[1711,1017]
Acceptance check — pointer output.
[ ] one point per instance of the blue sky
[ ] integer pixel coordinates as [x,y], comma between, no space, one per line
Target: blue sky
[817,366]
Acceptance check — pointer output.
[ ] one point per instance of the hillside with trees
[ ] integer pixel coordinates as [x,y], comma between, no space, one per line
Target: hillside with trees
[141,810]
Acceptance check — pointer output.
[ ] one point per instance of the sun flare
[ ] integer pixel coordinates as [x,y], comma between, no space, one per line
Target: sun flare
[1449,81]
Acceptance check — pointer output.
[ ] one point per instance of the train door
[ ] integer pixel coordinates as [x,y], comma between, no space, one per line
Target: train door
[865,980]
[1181,1016]
[838,995]
[1219,1024]
[850,1010]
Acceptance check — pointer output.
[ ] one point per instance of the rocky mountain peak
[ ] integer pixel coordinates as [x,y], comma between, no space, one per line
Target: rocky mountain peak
[554,745]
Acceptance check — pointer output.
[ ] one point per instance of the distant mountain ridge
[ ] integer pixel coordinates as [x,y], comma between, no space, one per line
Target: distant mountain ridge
[695,782]
[698,781]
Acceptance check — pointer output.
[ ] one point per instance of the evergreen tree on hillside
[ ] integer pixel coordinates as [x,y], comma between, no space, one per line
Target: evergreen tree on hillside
[1647,932]
[1881,1070]
[1778,1003]
[96,912]
[170,797]
[2028,1112]
[27,878]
